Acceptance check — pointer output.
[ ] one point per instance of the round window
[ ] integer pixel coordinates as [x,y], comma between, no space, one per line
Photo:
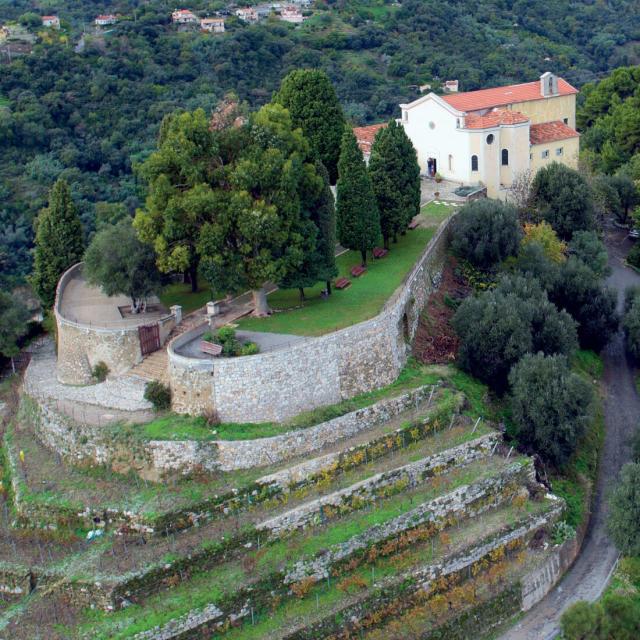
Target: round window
[432,125]
[490,138]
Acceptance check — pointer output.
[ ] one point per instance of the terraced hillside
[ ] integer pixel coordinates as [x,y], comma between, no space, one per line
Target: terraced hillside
[407,528]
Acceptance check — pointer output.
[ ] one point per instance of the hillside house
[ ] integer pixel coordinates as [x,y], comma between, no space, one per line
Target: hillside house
[291,14]
[212,25]
[488,137]
[247,14]
[52,22]
[365,137]
[451,86]
[184,16]
[106,20]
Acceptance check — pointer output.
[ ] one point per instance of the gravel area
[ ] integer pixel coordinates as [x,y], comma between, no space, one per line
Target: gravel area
[114,399]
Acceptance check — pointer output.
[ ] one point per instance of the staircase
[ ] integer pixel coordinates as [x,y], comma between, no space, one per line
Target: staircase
[155,366]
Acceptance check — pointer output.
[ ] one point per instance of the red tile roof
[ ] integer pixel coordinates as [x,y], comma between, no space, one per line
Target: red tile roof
[551,131]
[365,135]
[501,96]
[494,119]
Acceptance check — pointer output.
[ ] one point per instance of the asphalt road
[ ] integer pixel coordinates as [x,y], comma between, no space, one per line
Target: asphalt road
[589,575]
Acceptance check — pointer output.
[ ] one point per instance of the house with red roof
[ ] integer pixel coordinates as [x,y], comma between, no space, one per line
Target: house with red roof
[184,16]
[52,22]
[106,20]
[489,137]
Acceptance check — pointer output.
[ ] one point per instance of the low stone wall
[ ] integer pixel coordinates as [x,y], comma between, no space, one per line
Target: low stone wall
[389,482]
[80,443]
[277,385]
[81,347]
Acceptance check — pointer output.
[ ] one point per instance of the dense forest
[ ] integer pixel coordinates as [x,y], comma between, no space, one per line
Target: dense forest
[91,113]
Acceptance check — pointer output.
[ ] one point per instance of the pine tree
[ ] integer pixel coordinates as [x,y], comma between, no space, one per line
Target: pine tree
[357,214]
[314,107]
[58,244]
[395,176]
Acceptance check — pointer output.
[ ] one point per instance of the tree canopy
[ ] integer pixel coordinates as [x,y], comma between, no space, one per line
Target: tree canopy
[14,317]
[563,198]
[395,176]
[59,242]
[311,100]
[119,263]
[358,219]
[550,405]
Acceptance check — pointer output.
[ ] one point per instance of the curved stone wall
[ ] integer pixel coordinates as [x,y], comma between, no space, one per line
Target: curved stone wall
[82,346]
[280,384]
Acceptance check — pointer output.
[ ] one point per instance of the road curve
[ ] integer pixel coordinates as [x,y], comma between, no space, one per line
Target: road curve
[590,573]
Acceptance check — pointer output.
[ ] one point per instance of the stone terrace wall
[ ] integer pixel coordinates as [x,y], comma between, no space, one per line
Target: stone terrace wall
[81,347]
[277,385]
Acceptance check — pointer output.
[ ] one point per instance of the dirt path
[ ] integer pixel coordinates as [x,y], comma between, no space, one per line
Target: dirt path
[589,575]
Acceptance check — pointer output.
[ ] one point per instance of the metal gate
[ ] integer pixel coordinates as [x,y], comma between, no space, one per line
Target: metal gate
[149,338]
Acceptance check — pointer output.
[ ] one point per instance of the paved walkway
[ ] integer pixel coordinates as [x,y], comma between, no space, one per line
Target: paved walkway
[115,399]
[589,575]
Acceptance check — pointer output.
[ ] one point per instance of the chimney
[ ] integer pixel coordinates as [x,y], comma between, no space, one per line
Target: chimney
[548,84]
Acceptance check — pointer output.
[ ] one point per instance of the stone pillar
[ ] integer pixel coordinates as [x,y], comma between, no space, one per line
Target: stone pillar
[176,310]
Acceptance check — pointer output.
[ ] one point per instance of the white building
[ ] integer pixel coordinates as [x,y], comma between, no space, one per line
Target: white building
[184,16]
[51,21]
[213,25]
[291,14]
[488,137]
[247,14]
[106,20]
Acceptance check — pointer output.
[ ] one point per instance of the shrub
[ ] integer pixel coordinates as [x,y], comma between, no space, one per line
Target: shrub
[615,617]
[590,250]
[633,257]
[249,349]
[225,334]
[580,292]
[498,327]
[100,371]
[544,235]
[583,621]
[624,511]
[562,197]
[631,322]
[158,394]
[532,262]
[551,406]
[562,531]
[485,232]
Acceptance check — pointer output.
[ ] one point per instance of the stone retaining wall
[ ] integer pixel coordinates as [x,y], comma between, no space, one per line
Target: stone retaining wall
[409,475]
[80,443]
[277,385]
[81,346]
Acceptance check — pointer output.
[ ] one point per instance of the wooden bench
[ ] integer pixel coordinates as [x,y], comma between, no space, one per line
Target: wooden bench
[210,347]
[379,252]
[414,224]
[358,270]
[342,283]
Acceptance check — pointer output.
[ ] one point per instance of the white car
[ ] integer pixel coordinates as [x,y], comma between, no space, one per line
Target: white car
[634,234]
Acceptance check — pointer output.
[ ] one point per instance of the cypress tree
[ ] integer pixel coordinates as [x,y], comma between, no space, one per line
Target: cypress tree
[324,216]
[58,244]
[314,107]
[395,176]
[357,214]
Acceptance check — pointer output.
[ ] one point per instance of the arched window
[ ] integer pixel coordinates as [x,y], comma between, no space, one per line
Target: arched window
[474,163]
[505,157]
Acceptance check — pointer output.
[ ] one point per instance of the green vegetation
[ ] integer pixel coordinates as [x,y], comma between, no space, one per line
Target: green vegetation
[433,214]
[362,300]
[486,232]
[59,243]
[180,293]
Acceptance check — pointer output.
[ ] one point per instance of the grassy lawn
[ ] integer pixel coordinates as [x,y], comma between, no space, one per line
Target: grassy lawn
[433,214]
[362,300]
[180,293]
